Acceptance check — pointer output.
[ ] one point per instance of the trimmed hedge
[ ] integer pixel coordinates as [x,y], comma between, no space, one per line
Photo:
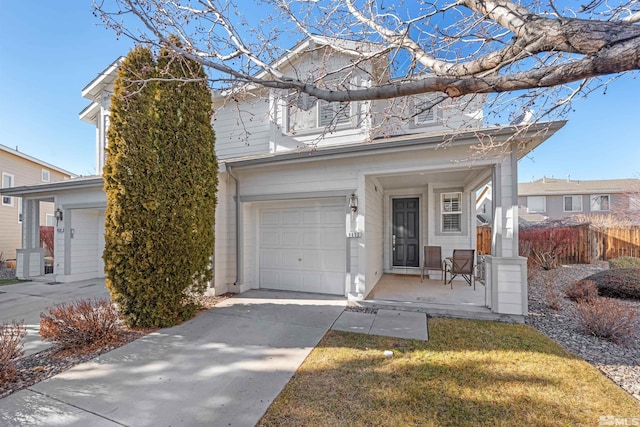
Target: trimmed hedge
[621,283]
[161,181]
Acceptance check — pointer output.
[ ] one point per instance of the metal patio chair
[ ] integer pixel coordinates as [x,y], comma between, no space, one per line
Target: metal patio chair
[461,264]
[432,260]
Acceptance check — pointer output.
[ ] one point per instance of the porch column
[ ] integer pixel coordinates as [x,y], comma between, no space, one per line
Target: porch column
[30,258]
[506,271]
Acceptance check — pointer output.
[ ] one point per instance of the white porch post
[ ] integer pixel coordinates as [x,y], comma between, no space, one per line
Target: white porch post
[506,270]
[30,259]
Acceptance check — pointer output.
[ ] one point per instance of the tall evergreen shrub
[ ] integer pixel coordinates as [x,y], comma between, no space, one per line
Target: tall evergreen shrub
[161,180]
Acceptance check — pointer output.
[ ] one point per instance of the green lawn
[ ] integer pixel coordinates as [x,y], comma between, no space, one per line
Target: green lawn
[10,281]
[470,373]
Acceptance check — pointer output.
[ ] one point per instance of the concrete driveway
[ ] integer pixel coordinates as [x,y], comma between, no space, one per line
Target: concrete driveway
[222,368]
[25,301]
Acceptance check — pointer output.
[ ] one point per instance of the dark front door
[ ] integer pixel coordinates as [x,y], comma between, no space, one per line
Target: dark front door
[404,240]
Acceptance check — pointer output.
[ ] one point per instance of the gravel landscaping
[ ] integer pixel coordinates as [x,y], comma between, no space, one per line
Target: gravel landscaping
[621,364]
[7,273]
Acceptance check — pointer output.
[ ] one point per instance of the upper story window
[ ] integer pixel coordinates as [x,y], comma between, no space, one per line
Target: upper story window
[7,182]
[536,204]
[46,175]
[600,202]
[451,211]
[425,112]
[306,113]
[573,203]
[333,113]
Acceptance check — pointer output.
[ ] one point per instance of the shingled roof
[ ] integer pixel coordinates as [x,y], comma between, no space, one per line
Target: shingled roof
[551,186]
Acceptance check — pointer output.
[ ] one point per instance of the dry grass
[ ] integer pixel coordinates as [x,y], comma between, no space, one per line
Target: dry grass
[471,373]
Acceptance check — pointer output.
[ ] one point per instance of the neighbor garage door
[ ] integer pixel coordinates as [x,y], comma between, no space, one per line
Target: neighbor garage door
[302,246]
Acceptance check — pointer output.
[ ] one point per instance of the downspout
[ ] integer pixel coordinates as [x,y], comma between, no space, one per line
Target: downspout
[237,200]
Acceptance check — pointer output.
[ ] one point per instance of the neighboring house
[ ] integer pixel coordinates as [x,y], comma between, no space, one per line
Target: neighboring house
[556,199]
[303,209]
[18,169]
[484,207]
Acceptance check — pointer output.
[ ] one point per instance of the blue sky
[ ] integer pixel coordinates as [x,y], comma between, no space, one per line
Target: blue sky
[50,50]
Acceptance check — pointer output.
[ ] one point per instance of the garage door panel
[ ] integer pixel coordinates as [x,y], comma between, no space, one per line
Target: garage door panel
[303,248]
[314,260]
[290,217]
[290,238]
[269,258]
[270,238]
[290,258]
[334,217]
[269,218]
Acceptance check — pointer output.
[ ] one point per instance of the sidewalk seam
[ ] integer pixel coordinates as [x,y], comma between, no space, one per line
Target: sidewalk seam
[77,407]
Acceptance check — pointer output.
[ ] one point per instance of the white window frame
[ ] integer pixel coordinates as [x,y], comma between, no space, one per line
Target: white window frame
[342,112]
[7,200]
[426,117]
[544,204]
[573,199]
[595,197]
[45,176]
[449,211]
[51,217]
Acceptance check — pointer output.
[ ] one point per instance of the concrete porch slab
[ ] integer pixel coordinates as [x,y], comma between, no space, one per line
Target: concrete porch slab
[388,323]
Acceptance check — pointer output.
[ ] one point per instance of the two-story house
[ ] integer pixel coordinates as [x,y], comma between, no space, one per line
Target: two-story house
[18,169]
[328,197]
[556,199]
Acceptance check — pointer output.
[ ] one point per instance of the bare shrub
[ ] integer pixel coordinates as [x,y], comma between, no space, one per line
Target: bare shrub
[82,323]
[608,319]
[551,290]
[11,348]
[582,291]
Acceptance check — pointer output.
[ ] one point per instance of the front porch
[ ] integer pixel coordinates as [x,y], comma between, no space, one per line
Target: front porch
[407,293]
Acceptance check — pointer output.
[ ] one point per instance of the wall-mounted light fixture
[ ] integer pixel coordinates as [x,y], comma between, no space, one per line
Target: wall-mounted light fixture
[58,215]
[353,203]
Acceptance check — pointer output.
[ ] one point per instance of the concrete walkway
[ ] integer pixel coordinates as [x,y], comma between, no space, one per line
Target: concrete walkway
[389,323]
[23,302]
[223,368]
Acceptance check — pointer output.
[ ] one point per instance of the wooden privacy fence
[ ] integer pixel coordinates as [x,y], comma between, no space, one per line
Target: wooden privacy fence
[483,240]
[580,244]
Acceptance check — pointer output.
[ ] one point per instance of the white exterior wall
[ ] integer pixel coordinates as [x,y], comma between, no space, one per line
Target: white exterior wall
[225,232]
[374,232]
[242,128]
[79,257]
[368,255]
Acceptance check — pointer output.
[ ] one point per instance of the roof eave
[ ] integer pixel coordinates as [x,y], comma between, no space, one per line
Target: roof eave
[30,190]
[462,138]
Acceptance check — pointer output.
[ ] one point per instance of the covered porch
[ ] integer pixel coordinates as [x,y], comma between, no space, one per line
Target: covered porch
[401,212]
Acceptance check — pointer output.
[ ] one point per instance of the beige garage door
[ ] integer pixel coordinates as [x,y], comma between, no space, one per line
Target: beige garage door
[302,246]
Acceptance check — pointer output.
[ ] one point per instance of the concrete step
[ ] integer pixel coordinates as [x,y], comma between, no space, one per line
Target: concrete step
[440,310]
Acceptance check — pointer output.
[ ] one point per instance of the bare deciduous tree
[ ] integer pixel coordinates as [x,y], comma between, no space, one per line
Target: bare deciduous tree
[525,56]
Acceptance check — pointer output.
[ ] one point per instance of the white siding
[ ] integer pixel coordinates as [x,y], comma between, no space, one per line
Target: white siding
[242,128]
[373,211]
[225,232]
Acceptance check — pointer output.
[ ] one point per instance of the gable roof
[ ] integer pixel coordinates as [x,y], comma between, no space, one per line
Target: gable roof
[555,186]
[37,161]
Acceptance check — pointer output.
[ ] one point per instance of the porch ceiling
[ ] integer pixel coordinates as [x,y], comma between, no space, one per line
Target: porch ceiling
[419,179]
